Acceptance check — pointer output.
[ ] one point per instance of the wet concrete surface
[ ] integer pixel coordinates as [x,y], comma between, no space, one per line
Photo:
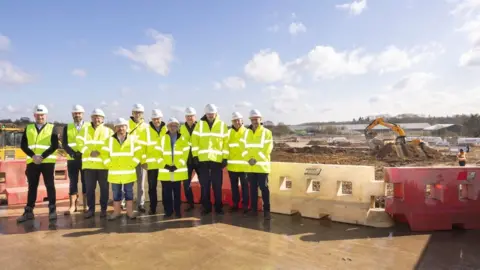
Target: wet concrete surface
[231,241]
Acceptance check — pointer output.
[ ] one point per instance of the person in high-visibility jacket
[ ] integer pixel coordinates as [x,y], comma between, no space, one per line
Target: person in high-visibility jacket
[174,150]
[121,155]
[150,163]
[236,164]
[209,151]
[258,147]
[39,143]
[462,158]
[137,129]
[74,159]
[186,130]
[90,141]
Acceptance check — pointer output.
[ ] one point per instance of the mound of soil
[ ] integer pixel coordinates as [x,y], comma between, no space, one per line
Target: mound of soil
[314,142]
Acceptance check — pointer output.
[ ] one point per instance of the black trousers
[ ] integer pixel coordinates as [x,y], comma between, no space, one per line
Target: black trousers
[211,175]
[259,180]
[462,163]
[234,178]
[152,176]
[171,196]
[93,176]
[33,172]
[186,184]
[74,168]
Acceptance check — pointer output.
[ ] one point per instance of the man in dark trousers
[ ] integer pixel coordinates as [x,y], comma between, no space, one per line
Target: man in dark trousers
[40,142]
[186,130]
[74,162]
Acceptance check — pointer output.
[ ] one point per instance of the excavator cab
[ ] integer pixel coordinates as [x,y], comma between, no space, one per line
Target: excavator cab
[10,139]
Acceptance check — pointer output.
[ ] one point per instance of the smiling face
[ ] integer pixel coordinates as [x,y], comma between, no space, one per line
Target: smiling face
[137,116]
[77,117]
[190,119]
[97,120]
[40,118]
[157,121]
[211,116]
[237,123]
[172,127]
[121,130]
[255,121]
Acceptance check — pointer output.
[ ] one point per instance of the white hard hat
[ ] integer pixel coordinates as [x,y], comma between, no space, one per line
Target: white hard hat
[40,109]
[190,111]
[138,108]
[210,108]
[78,108]
[120,122]
[236,115]
[98,112]
[255,113]
[173,120]
[156,113]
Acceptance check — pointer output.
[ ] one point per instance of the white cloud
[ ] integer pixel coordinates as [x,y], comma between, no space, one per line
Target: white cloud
[231,83]
[469,12]
[155,57]
[79,72]
[355,7]
[285,98]
[10,74]
[243,104]
[470,58]
[413,82]
[4,43]
[466,8]
[296,28]
[266,66]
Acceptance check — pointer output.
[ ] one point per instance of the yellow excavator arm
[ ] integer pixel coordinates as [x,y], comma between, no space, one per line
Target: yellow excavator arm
[369,134]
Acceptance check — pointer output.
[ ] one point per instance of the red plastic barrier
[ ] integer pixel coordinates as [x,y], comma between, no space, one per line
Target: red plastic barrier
[431,199]
[226,191]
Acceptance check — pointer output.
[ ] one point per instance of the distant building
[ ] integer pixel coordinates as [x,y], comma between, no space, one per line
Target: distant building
[443,129]
[268,123]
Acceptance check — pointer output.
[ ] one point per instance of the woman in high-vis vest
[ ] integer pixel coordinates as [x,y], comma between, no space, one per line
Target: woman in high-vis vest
[121,155]
[174,149]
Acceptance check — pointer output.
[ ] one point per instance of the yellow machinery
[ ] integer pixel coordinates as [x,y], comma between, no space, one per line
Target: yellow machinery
[10,139]
[400,140]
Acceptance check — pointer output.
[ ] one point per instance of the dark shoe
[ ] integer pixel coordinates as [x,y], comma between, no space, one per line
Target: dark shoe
[168,215]
[253,213]
[246,211]
[103,213]
[142,209]
[206,212]
[27,215]
[189,208]
[219,212]
[52,213]
[152,212]
[233,209]
[178,215]
[89,214]
[267,216]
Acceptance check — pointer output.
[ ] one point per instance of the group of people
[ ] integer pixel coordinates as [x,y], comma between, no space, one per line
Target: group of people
[167,152]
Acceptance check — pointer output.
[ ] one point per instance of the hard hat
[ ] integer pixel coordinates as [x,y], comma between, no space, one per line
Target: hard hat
[173,120]
[236,115]
[138,108]
[210,108]
[98,112]
[190,111]
[255,113]
[156,113]
[78,108]
[40,109]
[120,122]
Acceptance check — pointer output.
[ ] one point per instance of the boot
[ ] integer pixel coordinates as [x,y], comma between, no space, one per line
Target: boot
[84,202]
[117,210]
[130,213]
[73,205]
[52,212]
[27,215]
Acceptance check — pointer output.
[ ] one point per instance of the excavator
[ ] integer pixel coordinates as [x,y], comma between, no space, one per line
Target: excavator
[10,138]
[375,144]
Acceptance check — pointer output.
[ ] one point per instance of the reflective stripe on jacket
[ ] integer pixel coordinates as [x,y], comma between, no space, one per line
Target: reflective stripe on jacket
[235,148]
[185,131]
[258,145]
[121,159]
[138,131]
[72,134]
[92,139]
[39,142]
[209,144]
[179,158]
[152,139]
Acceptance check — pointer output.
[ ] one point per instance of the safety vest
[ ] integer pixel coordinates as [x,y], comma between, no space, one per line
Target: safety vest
[152,139]
[39,142]
[121,159]
[138,131]
[72,134]
[462,157]
[179,158]
[258,145]
[235,150]
[90,139]
[184,130]
[208,144]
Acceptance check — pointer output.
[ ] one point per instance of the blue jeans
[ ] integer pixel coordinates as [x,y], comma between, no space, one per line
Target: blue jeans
[118,192]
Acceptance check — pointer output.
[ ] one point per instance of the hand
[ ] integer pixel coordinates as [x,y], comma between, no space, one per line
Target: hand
[167,167]
[94,153]
[252,161]
[173,168]
[224,163]
[195,160]
[145,166]
[37,159]
[77,155]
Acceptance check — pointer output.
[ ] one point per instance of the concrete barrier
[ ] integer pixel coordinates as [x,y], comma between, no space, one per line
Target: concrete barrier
[343,193]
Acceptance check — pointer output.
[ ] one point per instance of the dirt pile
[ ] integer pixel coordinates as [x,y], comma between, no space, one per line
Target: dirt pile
[281,145]
[315,142]
[390,152]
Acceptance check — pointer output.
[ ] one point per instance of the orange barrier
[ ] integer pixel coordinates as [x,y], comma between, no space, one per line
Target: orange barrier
[434,198]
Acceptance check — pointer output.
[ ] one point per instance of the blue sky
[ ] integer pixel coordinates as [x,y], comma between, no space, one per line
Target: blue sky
[296,61]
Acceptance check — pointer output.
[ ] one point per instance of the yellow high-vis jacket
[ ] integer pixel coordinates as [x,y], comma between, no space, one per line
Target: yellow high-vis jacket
[39,142]
[209,144]
[236,147]
[138,131]
[91,139]
[121,159]
[152,139]
[174,157]
[259,146]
